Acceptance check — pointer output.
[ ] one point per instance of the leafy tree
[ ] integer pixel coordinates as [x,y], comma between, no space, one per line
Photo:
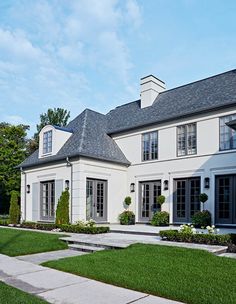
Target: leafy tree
[12,153]
[56,116]
[62,212]
[14,210]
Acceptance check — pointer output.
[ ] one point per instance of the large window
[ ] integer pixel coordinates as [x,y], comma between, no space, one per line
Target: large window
[47,142]
[187,139]
[150,146]
[227,134]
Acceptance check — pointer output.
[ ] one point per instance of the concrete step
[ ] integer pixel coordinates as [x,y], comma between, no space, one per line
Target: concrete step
[100,244]
[220,250]
[85,248]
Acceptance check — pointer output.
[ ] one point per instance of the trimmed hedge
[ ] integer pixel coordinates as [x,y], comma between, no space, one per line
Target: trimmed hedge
[66,228]
[81,229]
[199,238]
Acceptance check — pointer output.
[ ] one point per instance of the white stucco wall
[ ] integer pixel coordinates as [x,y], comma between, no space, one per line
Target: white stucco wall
[208,162]
[115,175]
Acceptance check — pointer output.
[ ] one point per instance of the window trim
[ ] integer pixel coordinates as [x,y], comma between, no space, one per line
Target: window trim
[142,146]
[230,149]
[185,134]
[47,152]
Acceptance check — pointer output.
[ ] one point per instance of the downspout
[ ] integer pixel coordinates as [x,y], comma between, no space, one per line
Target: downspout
[69,164]
[24,173]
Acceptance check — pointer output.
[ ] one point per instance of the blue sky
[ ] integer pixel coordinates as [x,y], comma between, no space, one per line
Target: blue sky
[80,54]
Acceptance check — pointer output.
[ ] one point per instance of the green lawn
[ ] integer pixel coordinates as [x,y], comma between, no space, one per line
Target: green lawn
[14,242]
[188,275]
[11,295]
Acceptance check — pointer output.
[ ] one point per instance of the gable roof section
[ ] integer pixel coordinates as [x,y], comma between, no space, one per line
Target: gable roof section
[203,95]
[89,139]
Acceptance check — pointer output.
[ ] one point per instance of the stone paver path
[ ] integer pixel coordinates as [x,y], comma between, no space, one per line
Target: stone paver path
[124,240]
[40,258]
[63,288]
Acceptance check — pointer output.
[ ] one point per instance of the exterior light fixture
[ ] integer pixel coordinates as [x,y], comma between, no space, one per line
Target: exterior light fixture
[28,188]
[166,184]
[132,187]
[67,184]
[207,182]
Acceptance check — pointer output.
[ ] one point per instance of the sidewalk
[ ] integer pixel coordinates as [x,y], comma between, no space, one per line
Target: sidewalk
[63,288]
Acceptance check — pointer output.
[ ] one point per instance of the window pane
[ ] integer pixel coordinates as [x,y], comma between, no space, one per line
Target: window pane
[47,142]
[227,135]
[186,140]
[150,146]
[191,136]
[181,143]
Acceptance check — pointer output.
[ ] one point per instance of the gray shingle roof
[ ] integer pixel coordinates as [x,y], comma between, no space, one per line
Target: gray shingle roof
[203,95]
[89,139]
[90,129]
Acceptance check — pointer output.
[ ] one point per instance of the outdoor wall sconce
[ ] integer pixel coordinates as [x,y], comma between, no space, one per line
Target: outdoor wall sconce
[28,188]
[207,182]
[132,187]
[67,184]
[166,184]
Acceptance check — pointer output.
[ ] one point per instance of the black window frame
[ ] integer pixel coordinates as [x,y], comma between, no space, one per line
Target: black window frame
[47,142]
[152,155]
[230,131]
[186,139]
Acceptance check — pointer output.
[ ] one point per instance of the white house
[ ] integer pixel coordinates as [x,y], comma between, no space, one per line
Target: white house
[177,142]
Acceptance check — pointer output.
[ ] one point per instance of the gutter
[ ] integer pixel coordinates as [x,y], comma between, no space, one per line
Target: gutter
[69,164]
[24,173]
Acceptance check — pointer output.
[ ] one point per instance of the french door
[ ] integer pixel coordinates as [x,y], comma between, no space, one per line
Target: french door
[225,199]
[149,191]
[47,201]
[186,199]
[96,200]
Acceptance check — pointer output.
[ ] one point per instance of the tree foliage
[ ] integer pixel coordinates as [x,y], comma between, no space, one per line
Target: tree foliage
[62,212]
[12,153]
[14,210]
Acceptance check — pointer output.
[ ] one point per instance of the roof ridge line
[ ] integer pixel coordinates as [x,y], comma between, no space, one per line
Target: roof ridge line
[203,79]
[83,129]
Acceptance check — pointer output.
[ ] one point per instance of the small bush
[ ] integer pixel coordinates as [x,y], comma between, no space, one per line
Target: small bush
[199,238]
[14,210]
[128,201]
[160,200]
[62,212]
[202,219]
[127,218]
[160,218]
[203,197]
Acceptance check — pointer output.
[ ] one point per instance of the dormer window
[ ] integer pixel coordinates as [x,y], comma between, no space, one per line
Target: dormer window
[47,142]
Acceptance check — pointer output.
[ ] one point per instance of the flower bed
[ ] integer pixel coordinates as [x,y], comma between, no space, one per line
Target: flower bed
[75,228]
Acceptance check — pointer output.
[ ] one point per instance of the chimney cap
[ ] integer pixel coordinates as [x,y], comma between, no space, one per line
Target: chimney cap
[150,75]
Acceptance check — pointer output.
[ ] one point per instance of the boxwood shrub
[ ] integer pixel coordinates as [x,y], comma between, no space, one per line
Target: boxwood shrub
[66,227]
[199,238]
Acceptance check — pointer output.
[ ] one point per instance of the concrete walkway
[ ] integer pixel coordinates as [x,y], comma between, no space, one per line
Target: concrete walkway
[63,288]
[153,230]
[39,258]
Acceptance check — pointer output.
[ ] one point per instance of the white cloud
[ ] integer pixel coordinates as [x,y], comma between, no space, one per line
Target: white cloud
[133,13]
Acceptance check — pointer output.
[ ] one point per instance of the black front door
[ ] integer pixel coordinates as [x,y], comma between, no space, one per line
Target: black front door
[47,201]
[149,191]
[225,199]
[186,199]
[96,200]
